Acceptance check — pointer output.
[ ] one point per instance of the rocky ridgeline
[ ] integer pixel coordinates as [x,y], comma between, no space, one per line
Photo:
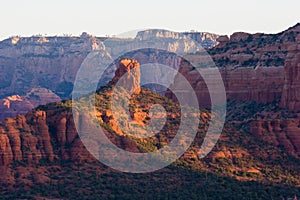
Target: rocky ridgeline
[52,62]
[206,40]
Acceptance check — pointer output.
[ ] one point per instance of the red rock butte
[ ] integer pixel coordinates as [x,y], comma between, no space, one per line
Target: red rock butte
[128,75]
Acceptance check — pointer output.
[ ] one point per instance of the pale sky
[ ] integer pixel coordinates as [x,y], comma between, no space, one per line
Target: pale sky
[97,17]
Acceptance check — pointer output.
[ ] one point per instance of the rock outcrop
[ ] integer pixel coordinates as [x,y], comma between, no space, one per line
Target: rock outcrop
[280,132]
[239,36]
[15,104]
[252,71]
[128,75]
[28,139]
[222,40]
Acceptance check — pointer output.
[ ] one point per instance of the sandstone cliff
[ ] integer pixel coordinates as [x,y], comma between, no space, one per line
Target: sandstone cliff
[128,75]
[253,67]
[262,85]
[291,91]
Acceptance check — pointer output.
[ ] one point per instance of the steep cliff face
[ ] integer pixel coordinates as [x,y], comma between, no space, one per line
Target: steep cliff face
[285,132]
[252,67]
[128,75]
[26,142]
[263,85]
[291,91]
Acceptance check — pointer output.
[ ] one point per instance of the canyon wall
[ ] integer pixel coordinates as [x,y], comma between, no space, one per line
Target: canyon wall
[291,91]
[262,85]
[253,68]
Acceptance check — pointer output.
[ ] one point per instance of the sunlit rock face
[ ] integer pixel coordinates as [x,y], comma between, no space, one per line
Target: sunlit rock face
[128,75]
